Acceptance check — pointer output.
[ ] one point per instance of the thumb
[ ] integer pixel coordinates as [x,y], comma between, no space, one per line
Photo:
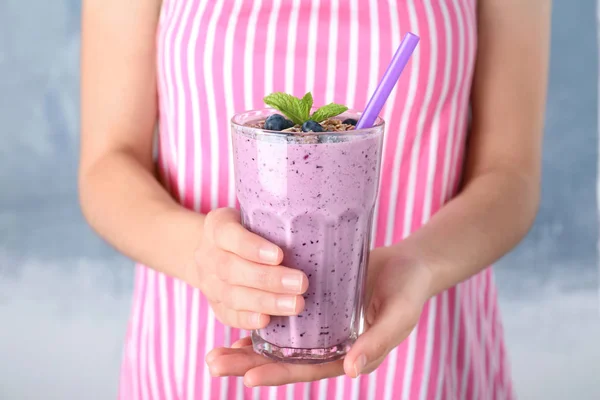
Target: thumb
[388,326]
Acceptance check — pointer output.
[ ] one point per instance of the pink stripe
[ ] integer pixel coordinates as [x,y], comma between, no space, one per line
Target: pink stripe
[281,48]
[142,381]
[363,65]
[301,49]
[322,50]
[343,48]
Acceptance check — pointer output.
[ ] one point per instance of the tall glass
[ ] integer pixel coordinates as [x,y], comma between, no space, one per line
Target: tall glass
[313,194]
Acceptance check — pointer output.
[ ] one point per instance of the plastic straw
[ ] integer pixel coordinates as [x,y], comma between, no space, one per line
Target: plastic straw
[389,80]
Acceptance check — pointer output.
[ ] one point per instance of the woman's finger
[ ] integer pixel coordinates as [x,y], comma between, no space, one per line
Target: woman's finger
[277,374]
[247,341]
[224,228]
[241,298]
[246,320]
[275,279]
[391,325]
[234,362]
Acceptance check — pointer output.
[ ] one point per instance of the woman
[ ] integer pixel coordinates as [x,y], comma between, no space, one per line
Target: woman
[460,185]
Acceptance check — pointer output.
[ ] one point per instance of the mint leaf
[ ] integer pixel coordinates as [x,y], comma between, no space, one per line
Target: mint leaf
[328,111]
[289,105]
[307,103]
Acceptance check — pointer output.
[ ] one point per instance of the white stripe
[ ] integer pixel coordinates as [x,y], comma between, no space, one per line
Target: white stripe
[289,392]
[323,389]
[249,55]
[239,390]
[340,386]
[311,55]
[355,388]
[443,348]
[228,86]
[429,339]
[152,364]
[332,51]
[352,56]
[455,337]
[372,385]
[270,46]
[210,341]
[256,393]
[144,344]
[291,47]
[390,377]
[215,132]
[410,357]
[467,338]
[181,133]
[179,338]
[452,126]
[273,393]
[306,393]
[165,329]
[193,345]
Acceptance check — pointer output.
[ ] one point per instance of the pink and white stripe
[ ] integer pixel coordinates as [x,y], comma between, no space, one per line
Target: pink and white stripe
[219,57]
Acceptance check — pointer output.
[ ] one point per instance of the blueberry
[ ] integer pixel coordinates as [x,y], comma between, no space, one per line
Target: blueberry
[311,126]
[277,122]
[350,121]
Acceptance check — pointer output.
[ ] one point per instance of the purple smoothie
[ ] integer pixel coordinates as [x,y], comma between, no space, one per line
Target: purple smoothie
[315,200]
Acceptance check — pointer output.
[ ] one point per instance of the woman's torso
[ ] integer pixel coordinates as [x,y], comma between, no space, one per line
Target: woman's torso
[220,57]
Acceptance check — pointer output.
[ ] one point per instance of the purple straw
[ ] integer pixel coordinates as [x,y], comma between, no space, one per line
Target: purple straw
[391,76]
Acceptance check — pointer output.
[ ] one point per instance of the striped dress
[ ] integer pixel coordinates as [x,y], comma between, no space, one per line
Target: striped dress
[219,57]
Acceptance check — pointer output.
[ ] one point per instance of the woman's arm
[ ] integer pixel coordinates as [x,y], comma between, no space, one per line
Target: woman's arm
[501,189]
[124,202]
[120,196]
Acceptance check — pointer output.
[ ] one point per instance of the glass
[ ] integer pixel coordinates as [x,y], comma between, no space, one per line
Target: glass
[312,194]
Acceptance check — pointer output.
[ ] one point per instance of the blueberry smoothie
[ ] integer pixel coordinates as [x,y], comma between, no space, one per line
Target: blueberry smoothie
[313,194]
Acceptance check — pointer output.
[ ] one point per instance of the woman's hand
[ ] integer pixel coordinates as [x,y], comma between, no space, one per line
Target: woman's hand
[397,289]
[239,273]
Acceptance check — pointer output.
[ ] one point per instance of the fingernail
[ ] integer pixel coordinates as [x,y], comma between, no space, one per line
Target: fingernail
[360,364]
[292,282]
[286,304]
[269,254]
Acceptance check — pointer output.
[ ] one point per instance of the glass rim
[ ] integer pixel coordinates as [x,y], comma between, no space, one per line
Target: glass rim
[378,126]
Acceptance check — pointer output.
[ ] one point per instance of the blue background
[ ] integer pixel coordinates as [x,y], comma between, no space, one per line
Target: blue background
[64,294]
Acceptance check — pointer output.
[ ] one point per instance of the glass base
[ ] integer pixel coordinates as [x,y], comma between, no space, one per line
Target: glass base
[301,356]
